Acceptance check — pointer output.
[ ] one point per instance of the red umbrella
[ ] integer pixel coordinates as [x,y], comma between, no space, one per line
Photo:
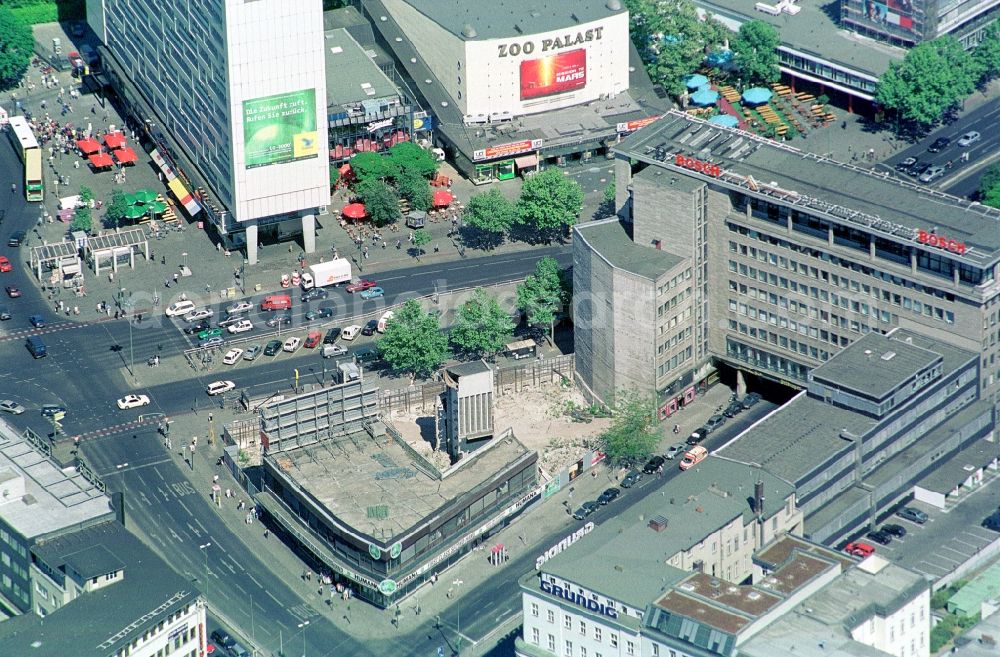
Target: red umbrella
[88,145]
[114,140]
[126,156]
[345,169]
[442,198]
[101,160]
[354,211]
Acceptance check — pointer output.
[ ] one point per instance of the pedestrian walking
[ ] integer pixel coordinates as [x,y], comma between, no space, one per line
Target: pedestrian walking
[176,277]
[166,282]
[399,244]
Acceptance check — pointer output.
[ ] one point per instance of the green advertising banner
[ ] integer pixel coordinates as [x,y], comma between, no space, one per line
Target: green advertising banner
[280,128]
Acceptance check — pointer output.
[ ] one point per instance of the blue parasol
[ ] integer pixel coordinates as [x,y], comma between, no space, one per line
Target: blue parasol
[695,80]
[727,120]
[757,96]
[705,97]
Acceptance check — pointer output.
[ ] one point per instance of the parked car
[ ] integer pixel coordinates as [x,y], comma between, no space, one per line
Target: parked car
[232,356]
[319,313]
[859,549]
[585,510]
[252,352]
[366,356]
[332,351]
[360,285]
[912,514]
[272,348]
[880,537]
[939,145]
[905,165]
[735,408]
[291,344]
[331,335]
[370,327]
[969,138]
[373,293]
[895,530]
[313,339]
[674,451]
[11,406]
[697,436]
[222,638]
[133,401]
[239,308]
[350,332]
[197,327]
[219,387]
[280,320]
[992,521]
[750,400]
[631,479]
[653,464]
[609,495]
[714,422]
[931,174]
[314,293]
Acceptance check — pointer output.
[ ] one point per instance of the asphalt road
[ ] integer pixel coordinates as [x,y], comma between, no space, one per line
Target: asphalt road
[963,178]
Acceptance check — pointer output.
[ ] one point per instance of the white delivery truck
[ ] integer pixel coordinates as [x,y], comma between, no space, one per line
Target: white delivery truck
[322,274]
[383,321]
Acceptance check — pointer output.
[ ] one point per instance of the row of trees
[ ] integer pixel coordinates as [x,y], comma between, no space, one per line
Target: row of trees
[16,48]
[415,344]
[549,205]
[935,78]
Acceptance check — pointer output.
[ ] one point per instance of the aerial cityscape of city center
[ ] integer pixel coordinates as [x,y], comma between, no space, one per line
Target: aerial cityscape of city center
[526,328]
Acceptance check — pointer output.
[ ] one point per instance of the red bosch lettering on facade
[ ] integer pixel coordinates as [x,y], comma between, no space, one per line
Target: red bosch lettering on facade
[706,168]
[941,242]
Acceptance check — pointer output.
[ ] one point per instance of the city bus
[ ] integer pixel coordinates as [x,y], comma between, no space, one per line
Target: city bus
[27,149]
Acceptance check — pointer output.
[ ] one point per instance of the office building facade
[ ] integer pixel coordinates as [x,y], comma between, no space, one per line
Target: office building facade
[909,22]
[233,96]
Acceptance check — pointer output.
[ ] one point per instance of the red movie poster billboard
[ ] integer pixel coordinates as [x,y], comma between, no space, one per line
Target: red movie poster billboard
[552,75]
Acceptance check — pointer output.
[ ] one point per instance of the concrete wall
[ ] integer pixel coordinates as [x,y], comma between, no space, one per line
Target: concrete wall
[593,327]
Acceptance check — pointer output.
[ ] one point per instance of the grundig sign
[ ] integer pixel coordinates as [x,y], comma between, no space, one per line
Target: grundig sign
[941,242]
[578,599]
[563,544]
[706,168]
[565,41]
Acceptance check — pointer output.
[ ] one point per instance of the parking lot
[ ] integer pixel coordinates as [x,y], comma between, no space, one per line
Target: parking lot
[948,538]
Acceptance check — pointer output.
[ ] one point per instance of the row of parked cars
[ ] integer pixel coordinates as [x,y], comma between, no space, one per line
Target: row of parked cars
[887,533]
[735,407]
[605,498]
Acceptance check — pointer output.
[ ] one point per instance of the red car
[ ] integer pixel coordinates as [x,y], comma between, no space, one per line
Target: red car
[361,285]
[313,339]
[13,292]
[859,549]
[5,264]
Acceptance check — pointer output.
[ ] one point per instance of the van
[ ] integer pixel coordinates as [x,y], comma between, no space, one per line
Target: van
[36,347]
[693,457]
[179,308]
[384,320]
[236,650]
[333,350]
[351,332]
[276,302]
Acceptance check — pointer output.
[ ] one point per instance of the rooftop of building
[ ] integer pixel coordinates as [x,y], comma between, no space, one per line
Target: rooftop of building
[512,19]
[847,194]
[948,474]
[874,365]
[816,33]
[54,499]
[90,552]
[980,641]
[774,556]
[102,622]
[381,487]
[822,624]
[352,76]
[609,239]
[472,367]
[626,559]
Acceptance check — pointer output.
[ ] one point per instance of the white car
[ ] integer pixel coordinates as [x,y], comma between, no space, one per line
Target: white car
[969,138]
[291,344]
[232,356]
[350,332]
[219,387]
[11,406]
[195,315]
[241,326]
[133,401]
[179,308]
[239,308]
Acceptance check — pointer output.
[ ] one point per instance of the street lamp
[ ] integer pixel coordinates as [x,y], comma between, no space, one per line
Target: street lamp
[302,626]
[126,307]
[121,471]
[204,549]
[458,610]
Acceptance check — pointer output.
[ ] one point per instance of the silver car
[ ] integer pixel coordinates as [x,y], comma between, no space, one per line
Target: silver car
[931,174]
[11,406]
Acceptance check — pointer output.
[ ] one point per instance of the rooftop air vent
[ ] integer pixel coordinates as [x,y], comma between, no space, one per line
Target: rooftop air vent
[889,355]
[658,523]
[469,32]
[753,595]
[613,5]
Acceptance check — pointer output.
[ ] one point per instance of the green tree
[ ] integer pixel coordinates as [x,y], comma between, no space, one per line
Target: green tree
[755,51]
[932,79]
[115,212]
[420,239]
[482,327]
[989,187]
[17,46]
[334,175]
[373,166]
[415,189]
[380,201]
[83,219]
[411,159]
[633,434]
[488,217]
[987,53]
[550,203]
[541,295]
[413,342]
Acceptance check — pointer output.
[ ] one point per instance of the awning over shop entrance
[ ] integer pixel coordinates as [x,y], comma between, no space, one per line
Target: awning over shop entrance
[184,196]
[526,161]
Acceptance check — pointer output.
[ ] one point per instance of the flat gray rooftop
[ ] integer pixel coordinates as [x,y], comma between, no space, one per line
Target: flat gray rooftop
[626,560]
[349,475]
[610,240]
[502,19]
[53,499]
[875,364]
[351,75]
[814,32]
[843,193]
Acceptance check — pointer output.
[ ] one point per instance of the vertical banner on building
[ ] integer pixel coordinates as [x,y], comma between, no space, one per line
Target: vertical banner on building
[280,128]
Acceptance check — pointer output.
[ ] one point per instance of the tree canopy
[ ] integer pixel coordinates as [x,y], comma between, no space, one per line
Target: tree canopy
[413,341]
[541,295]
[755,50]
[414,160]
[989,187]
[415,189]
[549,203]
[17,46]
[115,211]
[482,327]
[633,434]
[373,166]
[489,216]
[380,201]
[932,79]
[986,55]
